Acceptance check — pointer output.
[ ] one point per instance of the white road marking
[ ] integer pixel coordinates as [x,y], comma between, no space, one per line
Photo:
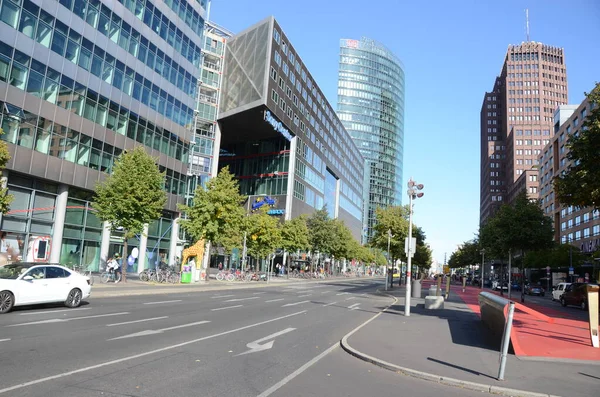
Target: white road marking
[354,306]
[295,303]
[221,296]
[297,372]
[302,296]
[158,331]
[343,293]
[352,297]
[224,308]
[137,321]
[257,347]
[4,340]
[53,311]
[259,293]
[275,300]
[135,356]
[242,299]
[64,320]
[325,292]
[310,290]
[158,303]
[330,304]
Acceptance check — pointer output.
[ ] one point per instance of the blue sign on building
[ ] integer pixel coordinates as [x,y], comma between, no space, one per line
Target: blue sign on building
[277,125]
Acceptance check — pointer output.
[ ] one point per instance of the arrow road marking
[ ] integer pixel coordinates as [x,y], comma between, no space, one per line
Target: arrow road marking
[330,304]
[257,347]
[354,306]
[158,331]
[64,320]
[242,299]
[4,340]
[352,297]
[295,303]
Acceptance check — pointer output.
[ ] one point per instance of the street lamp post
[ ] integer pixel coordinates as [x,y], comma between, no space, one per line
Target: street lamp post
[389,261]
[482,266]
[413,193]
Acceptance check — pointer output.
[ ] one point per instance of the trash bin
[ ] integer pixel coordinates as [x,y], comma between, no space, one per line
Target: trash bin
[186,277]
[416,289]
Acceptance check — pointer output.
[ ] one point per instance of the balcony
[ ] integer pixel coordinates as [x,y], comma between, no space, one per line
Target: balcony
[207,99]
[211,65]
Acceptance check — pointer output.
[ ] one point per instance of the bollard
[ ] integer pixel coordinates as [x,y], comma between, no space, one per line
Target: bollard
[592,298]
[447,287]
[506,340]
[464,279]
[439,286]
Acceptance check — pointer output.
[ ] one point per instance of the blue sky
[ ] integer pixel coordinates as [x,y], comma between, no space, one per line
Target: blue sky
[452,51]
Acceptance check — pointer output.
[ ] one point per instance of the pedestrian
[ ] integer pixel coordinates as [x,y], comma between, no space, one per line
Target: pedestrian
[220,266]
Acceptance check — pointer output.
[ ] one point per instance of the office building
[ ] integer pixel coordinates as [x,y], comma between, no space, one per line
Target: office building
[572,225]
[371,108]
[280,136]
[81,81]
[517,118]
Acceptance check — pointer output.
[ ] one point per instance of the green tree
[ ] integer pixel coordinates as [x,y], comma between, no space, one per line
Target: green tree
[343,244]
[580,184]
[264,234]
[520,228]
[216,213]
[5,198]
[423,256]
[321,231]
[132,196]
[395,219]
[294,235]
[466,255]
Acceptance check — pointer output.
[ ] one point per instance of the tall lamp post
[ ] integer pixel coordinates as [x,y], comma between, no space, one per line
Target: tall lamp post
[390,261]
[482,266]
[413,194]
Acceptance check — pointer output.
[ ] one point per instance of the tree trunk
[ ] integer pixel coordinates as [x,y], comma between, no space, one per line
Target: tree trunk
[124,259]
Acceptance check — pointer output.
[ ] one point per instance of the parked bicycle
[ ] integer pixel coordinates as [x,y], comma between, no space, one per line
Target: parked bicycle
[109,276]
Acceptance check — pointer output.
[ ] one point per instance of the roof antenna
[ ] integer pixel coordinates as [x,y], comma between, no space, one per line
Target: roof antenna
[527,22]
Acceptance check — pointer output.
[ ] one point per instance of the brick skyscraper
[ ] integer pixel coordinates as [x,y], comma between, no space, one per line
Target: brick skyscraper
[517,121]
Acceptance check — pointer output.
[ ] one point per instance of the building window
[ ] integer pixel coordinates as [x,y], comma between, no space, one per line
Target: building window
[273,73]
[275,96]
[276,36]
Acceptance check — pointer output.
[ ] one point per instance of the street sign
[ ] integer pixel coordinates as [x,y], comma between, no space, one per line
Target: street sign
[571,271]
[413,245]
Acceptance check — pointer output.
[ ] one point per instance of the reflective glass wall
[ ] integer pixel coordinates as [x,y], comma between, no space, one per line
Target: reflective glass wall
[371,107]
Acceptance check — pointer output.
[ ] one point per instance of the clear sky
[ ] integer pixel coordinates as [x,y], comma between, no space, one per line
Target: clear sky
[452,51]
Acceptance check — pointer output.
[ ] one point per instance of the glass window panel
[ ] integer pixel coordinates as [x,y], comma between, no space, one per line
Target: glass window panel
[59,42]
[83,155]
[42,141]
[50,90]
[18,76]
[43,206]
[35,84]
[44,34]
[27,24]
[10,14]
[72,53]
[4,68]
[85,58]
[96,66]
[79,7]
[92,16]
[26,136]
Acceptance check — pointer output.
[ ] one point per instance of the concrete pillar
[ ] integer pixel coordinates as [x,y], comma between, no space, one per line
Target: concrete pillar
[173,243]
[104,245]
[60,210]
[289,198]
[143,245]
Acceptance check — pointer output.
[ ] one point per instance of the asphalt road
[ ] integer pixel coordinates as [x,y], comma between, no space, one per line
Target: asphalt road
[238,342]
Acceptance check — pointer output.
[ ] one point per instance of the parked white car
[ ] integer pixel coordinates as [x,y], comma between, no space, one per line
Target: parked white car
[559,290]
[35,283]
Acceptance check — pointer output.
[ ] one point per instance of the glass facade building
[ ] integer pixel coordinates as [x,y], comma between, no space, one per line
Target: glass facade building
[280,136]
[371,108]
[80,82]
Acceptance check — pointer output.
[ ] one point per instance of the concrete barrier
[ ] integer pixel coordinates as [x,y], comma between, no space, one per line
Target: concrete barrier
[493,313]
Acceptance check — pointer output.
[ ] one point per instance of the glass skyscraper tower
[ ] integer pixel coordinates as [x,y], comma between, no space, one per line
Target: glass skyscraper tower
[371,108]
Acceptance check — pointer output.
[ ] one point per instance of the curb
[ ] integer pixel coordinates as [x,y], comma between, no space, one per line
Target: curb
[492,389]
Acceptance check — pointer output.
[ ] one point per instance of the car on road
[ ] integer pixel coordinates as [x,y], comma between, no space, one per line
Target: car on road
[496,286]
[576,295]
[29,283]
[559,290]
[534,289]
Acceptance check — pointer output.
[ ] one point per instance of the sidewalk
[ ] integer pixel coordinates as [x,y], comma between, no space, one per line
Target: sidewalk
[451,344]
[564,338]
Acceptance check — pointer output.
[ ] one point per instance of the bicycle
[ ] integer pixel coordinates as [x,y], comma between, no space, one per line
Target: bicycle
[110,276]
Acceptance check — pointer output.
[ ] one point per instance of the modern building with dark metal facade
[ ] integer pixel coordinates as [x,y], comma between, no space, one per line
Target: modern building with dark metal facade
[80,82]
[280,136]
[371,108]
[517,118]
